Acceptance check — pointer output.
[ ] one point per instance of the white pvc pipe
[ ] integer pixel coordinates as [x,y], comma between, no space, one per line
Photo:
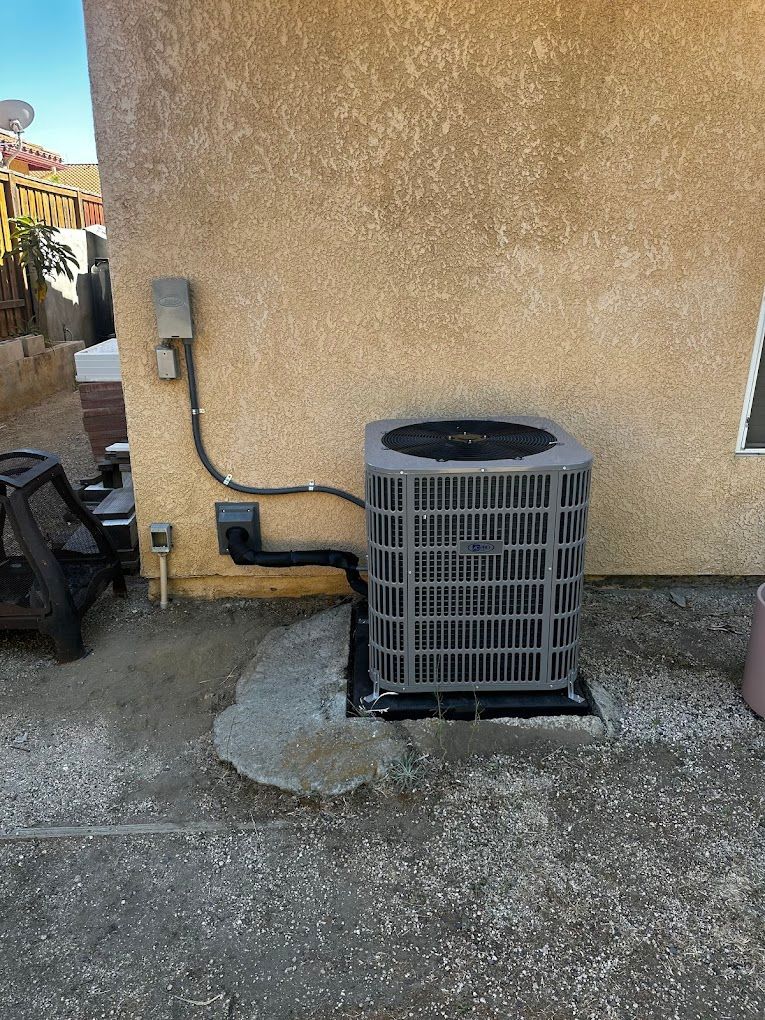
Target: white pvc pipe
[163,580]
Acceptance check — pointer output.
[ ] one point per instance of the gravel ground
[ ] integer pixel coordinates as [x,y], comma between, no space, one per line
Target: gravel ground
[616,880]
[55,427]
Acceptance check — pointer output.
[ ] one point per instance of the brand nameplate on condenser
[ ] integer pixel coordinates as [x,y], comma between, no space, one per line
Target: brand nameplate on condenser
[481,548]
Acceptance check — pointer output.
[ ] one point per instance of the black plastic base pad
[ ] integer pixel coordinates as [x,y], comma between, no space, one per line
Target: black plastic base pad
[457,705]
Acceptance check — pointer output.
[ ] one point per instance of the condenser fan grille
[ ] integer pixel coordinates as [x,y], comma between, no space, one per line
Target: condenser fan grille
[468,440]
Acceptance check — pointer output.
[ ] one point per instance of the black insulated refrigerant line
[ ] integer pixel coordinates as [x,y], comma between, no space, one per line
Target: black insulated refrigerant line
[227,480]
[245,556]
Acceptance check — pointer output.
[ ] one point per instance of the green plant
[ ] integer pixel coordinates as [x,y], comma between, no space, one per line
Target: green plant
[407,772]
[39,250]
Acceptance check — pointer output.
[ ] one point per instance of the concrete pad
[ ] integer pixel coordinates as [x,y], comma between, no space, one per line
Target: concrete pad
[289,727]
[458,741]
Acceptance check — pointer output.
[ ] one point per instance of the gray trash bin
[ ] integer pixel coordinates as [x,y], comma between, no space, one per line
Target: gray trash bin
[754,670]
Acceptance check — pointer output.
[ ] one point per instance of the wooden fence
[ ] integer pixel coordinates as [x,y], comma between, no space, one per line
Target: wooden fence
[54,205]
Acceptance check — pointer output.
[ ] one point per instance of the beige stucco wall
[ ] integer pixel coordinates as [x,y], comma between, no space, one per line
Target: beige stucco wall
[441,208]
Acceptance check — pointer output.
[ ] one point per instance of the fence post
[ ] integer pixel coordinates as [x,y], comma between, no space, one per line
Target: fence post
[80,214]
[14,207]
[14,286]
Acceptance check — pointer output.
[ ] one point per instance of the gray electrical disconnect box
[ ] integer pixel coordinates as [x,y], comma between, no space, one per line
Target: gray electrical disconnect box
[172,306]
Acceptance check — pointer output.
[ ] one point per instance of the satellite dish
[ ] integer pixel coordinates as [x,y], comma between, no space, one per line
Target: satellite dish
[16,115]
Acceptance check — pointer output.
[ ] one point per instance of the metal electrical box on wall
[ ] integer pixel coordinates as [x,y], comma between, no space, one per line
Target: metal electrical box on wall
[167,362]
[172,305]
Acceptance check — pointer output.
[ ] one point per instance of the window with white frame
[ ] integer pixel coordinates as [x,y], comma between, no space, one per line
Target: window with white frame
[751,435]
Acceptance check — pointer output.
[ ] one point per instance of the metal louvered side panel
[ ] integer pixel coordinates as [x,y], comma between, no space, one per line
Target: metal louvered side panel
[479,580]
[386,546]
[571,530]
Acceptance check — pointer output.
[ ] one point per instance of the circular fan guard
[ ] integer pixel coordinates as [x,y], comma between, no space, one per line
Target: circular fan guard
[468,439]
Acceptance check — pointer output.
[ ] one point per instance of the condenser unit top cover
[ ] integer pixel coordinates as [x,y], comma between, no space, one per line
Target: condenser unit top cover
[466,445]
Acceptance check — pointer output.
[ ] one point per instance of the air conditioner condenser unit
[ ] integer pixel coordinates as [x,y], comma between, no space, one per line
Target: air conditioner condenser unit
[476,533]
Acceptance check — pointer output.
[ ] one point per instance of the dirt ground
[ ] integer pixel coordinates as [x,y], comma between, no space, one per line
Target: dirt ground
[617,880]
[55,427]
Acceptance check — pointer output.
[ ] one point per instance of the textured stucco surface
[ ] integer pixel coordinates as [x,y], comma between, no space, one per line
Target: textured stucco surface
[439,208]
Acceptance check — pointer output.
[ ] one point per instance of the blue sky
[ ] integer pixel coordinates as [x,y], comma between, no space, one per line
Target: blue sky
[45,62]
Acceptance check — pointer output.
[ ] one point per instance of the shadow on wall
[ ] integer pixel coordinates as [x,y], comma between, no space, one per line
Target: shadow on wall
[68,312]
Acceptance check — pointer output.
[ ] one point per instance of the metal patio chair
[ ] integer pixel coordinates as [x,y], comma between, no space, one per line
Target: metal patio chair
[55,556]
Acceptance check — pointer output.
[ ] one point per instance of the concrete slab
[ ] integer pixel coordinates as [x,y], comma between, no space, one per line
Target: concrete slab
[289,727]
[458,741]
